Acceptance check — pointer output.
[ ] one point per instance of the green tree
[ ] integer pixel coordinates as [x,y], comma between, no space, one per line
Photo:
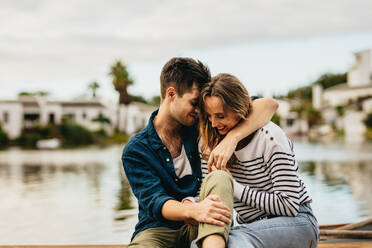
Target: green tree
[93,86]
[121,80]
[303,93]
[276,119]
[328,80]
[37,93]
[155,101]
[307,111]
[139,99]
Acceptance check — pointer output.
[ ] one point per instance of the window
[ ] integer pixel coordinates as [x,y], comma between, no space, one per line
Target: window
[290,122]
[5,117]
[51,118]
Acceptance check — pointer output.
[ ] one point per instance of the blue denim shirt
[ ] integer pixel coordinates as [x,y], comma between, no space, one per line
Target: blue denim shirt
[149,168]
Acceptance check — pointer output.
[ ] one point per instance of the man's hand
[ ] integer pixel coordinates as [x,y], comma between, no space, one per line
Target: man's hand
[222,153]
[190,222]
[212,211]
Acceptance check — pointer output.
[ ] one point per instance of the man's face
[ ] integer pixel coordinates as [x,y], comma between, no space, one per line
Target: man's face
[185,108]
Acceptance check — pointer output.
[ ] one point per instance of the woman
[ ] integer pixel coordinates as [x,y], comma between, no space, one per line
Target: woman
[272,204]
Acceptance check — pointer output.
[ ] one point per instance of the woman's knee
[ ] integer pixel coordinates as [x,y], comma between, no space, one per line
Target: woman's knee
[219,179]
[218,176]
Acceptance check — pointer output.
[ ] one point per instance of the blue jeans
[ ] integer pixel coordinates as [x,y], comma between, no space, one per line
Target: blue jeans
[287,232]
[278,232]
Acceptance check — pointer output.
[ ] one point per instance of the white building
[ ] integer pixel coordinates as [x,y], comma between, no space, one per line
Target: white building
[355,96]
[358,85]
[290,121]
[28,111]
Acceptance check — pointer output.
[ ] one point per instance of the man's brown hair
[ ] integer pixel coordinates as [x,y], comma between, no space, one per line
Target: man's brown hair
[181,73]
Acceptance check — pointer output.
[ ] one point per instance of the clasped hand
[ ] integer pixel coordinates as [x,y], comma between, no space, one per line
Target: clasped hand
[212,211]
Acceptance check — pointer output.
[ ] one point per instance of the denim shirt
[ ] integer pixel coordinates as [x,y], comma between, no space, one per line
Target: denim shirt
[149,168]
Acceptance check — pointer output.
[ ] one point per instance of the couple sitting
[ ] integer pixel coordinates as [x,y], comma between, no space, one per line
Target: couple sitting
[188,172]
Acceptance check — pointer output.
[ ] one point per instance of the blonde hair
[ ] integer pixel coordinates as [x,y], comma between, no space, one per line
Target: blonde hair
[234,96]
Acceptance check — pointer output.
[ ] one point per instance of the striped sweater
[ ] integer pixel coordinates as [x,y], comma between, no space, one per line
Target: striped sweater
[265,177]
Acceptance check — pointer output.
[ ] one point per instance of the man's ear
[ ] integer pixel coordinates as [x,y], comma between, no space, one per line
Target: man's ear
[171,93]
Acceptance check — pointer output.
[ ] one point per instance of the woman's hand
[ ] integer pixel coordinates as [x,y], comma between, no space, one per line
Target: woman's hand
[222,153]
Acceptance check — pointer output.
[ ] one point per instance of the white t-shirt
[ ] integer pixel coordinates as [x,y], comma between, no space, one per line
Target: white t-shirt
[182,165]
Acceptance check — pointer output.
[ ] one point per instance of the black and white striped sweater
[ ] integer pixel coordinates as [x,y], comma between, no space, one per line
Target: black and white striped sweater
[265,177]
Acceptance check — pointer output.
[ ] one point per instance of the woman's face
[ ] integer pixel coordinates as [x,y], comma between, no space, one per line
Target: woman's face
[222,120]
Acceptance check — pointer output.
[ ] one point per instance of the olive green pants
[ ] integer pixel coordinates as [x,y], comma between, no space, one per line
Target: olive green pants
[216,183]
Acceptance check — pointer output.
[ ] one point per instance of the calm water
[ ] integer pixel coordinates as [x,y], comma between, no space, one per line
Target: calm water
[78,197]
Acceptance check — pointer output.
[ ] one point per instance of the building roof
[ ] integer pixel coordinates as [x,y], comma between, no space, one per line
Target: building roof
[81,103]
[346,87]
[144,107]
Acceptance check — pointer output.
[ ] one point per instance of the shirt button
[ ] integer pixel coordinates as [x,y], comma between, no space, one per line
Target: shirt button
[164,148]
[167,160]
[198,179]
[176,179]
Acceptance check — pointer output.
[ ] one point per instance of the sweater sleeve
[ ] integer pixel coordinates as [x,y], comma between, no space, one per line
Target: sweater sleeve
[145,183]
[282,166]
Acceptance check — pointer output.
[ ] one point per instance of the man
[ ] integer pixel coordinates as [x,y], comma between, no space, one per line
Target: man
[162,165]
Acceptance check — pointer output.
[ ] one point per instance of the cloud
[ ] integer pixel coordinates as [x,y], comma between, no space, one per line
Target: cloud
[76,39]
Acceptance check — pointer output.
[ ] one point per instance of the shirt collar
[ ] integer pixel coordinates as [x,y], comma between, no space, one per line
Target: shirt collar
[154,138]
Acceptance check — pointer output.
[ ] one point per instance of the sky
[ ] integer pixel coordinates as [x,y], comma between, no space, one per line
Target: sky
[272,46]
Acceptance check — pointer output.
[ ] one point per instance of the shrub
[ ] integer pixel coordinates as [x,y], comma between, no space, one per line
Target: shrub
[276,119]
[368,120]
[4,140]
[74,135]
[29,138]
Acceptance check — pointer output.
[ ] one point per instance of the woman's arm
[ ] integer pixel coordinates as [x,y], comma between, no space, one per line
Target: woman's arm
[263,110]
[275,188]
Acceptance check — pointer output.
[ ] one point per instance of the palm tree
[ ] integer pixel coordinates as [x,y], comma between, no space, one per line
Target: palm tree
[121,80]
[93,86]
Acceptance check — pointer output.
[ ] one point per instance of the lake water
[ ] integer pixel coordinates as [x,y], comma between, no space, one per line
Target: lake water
[78,196]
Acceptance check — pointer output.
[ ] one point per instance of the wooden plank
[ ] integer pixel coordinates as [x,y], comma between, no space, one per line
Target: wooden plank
[347,234]
[356,225]
[367,244]
[332,226]
[62,246]
[322,244]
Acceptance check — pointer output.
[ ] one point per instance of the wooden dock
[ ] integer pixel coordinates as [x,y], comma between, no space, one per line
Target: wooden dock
[322,244]
[350,235]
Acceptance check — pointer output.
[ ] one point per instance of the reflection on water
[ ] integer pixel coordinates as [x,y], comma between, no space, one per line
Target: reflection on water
[82,196]
[124,196]
[63,197]
[345,187]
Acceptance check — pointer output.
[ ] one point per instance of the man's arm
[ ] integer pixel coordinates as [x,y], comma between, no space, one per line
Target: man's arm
[150,193]
[143,179]
[263,110]
[211,210]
